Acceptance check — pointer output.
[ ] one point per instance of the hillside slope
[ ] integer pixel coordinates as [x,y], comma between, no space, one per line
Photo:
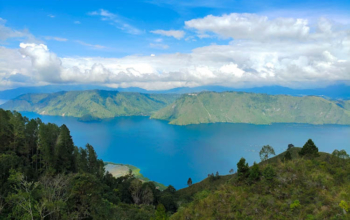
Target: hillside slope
[90,104]
[238,107]
[296,189]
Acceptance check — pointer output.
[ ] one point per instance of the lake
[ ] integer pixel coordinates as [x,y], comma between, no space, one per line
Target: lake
[170,154]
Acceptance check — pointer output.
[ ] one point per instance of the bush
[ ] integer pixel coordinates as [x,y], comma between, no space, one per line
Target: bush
[269,172]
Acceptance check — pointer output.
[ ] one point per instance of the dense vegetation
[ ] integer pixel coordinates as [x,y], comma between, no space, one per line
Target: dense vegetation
[92,104]
[44,176]
[238,107]
[293,185]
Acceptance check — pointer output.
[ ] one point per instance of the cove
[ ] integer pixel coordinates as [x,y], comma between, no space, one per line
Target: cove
[170,154]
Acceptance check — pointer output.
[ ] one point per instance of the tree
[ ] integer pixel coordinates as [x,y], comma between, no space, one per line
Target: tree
[231,171]
[254,173]
[54,195]
[170,189]
[189,181]
[95,166]
[287,156]
[135,190]
[265,152]
[147,196]
[64,151]
[242,168]
[160,213]
[22,199]
[309,150]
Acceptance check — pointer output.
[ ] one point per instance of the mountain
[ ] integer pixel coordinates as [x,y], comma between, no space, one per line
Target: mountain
[91,104]
[340,91]
[239,107]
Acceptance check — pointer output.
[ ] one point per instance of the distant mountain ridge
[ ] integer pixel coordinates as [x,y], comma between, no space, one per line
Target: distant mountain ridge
[91,104]
[239,107]
[340,91]
[191,108]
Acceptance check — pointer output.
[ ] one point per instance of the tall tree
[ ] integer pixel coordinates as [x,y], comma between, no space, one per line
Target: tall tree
[48,134]
[6,130]
[64,151]
[265,152]
[242,168]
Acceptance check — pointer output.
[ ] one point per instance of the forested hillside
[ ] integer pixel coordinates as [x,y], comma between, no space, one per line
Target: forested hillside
[43,175]
[92,104]
[238,107]
[300,183]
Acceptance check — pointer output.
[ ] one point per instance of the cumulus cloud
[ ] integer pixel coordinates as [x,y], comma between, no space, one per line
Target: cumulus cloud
[46,65]
[297,59]
[116,20]
[250,26]
[178,34]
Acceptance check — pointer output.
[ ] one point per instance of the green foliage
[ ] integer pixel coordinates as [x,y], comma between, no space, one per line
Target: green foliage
[254,173]
[239,107]
[269,172]
[344,205]
[309,150]
[242,168]
[295,205]
[296,189]
[160,213]
[287,156]
[44,176]
[265,152]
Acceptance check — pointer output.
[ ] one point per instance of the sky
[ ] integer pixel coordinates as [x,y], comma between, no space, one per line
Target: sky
[158,45]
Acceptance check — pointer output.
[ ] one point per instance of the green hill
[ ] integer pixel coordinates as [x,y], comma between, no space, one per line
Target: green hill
[300,188]
[92,104]
[238,107]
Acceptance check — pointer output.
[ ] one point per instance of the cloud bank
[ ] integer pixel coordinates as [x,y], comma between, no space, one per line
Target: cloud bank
[283,51]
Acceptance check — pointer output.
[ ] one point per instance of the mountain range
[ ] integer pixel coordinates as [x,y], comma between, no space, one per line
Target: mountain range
[91,104]
[239,107]
[339,91]
[191,108]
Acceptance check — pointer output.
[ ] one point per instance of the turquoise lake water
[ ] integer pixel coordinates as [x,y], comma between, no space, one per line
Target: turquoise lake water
[170,154]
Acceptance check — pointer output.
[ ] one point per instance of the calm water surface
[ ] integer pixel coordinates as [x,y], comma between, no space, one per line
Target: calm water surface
[170,154]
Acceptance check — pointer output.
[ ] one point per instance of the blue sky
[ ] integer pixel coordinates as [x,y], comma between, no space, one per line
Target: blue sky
[60,18]
[118,29]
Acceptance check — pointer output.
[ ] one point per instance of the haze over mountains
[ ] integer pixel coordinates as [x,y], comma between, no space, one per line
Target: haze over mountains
[339,91]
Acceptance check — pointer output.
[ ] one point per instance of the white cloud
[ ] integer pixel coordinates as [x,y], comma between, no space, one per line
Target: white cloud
[316,58]
[46,65]
[94,46]
[250,26]
[77,22]
[178,34]
[51,16]
[56,38]
[159,46]
[116,20]
[7,33]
